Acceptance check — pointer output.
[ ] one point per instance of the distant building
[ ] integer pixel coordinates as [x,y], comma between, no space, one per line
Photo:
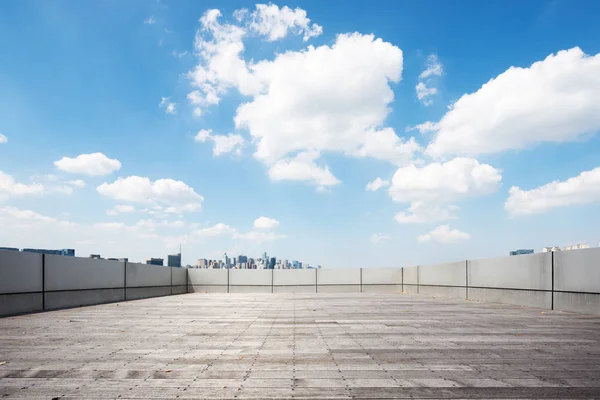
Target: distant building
[155,261]
[549,249]
[174,260]
[295,264]
[577,246]
[9,248]
[272,263]
[521,251]
[112,259]
[61,252]
[125,259]
[202,263]
[96,256]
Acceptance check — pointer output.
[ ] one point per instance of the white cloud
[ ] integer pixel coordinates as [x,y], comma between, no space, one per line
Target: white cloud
[274,23]
[216,230]
[434,67]
[3,139]
[554,100]
[312,101]
[170,107]
[265,223]
[203,135]
[258,236]
[222,143]
[304,101]
[377,184]
[423,92]
[95,164]
[420,212]
[379,237]
[121,208]
[443,234]
[179,54]
[9,187]
[444,182]
[423,128]
[174,195]
[150,21]
[78,183]
[227,143]
[429,189]
[302,168]
[581,189]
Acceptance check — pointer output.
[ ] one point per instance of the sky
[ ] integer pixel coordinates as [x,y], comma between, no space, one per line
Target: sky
[343,134]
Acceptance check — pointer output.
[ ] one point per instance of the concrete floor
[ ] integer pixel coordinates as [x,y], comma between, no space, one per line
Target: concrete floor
[372,346]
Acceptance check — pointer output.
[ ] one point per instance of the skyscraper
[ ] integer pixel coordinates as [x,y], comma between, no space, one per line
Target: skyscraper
[174,260]
[272,263]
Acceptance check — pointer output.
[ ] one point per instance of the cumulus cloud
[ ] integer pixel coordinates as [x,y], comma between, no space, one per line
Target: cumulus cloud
[222,143]
[121,208]
[377,184]
[275,23]
[553,100]
[421,212]
[423,128]
[265,223]
[443,234]
[379,237]
[95,164]
[3,139]
[29,220]
[173,196]
[581,189]
[170,107]
[444,182]
[216,230]
[150,21]
[312,101]
[10,188]
[304,102]
[222,229]
[430,188]
[433,67]
[423,92]
[302,168]
[78,183]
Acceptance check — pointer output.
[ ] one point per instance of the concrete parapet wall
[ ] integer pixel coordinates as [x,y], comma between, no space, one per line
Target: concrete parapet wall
[528,271]
[251,277]
[73,273]
[338,276]
[32,282]
[411,275]
[205,277]
[143,275]
[294,277]
[381,276]
[448,274]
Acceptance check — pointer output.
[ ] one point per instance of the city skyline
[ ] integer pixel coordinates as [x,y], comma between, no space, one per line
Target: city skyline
[238,128]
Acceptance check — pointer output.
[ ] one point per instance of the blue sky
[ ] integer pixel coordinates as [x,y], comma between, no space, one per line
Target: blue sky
[119,134]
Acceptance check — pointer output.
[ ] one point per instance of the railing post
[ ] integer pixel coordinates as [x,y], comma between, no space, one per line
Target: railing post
[125,281]
[43,282]
[466,279]
[361,288]
[552,293]
[402,283]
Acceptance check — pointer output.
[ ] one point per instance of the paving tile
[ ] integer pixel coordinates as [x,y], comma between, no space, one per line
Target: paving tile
[299,346]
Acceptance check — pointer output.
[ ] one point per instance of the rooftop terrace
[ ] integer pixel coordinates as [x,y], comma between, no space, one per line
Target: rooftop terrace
[300,346]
